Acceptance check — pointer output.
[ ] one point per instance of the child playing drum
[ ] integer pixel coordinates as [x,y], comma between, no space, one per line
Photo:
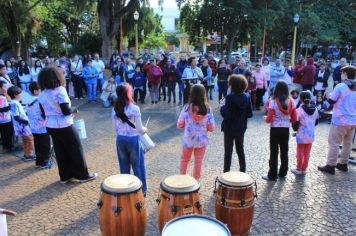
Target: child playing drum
[196,118]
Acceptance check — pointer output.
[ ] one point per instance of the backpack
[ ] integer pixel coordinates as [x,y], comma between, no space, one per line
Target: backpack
[156,71]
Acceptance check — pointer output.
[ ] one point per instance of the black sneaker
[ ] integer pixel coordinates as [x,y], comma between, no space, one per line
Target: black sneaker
[29,158]
[342,167]
[48,165]
[90,178]
[327,169]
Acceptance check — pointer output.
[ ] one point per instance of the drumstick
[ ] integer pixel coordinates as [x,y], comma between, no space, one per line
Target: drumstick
[8,212]
[148,119]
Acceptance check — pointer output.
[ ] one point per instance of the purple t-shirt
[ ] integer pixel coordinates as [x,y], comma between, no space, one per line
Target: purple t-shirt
[344,111]
[5,117]
[306,133]
[50,100]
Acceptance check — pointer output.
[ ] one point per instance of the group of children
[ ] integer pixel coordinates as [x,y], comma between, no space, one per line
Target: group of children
[27,123]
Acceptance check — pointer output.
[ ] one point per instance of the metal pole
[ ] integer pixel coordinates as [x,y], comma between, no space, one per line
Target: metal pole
[136,50]
[294,44]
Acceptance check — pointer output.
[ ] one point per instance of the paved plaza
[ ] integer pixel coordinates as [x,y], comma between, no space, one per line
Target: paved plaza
[314,204]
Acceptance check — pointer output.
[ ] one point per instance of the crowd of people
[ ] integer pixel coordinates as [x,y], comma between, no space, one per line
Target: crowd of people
[291,96]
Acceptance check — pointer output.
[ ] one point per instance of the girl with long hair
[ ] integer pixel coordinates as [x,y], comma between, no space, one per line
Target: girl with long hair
[35,70]
[281,113]
[126,117]
[24,74]
[197,119]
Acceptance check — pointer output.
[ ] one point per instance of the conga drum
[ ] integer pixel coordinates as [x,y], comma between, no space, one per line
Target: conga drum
[179,196]
[195,225]
[234,202]
[121,206]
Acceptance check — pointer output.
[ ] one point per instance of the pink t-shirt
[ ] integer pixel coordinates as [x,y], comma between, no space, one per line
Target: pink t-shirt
[306,133]
[344,111]
[5,117]
[261,79]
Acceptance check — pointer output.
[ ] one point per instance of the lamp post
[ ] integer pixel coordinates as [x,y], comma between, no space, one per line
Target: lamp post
[136,16]
[295,19]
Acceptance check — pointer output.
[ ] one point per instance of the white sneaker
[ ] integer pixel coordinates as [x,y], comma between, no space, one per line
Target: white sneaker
[296,171]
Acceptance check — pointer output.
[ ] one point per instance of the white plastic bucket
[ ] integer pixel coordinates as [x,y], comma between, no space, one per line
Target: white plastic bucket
[79,125]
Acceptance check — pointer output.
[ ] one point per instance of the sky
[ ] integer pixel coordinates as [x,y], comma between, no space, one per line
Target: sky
[166,3]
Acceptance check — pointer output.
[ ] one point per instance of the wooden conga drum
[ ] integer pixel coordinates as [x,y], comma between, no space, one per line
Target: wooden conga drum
[179,196]
[234,202]
[122,206]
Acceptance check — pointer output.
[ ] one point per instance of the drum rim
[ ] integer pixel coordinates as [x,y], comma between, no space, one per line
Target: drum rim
[234,186]
[111,192]
[196,216]
[164,188]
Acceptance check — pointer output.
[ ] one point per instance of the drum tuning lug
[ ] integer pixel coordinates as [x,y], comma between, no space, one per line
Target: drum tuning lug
[158,201]
[223,201]
[174,209]
[198,205]
[139,205]
[243,203]
[99,204]
[116,210]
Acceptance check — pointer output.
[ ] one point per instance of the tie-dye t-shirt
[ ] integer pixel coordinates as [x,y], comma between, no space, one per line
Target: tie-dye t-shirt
[344,111]
[50,100]
[17,110]
[37,123]
[5,117]
[306,133]
[281,120]
[122,128]
[195,132]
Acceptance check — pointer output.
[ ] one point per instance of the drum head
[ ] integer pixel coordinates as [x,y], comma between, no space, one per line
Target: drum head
[238,179]
[122,183]
[180,184]
[194,225]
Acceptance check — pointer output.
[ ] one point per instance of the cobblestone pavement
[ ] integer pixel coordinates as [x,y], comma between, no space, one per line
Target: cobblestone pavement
[315,204]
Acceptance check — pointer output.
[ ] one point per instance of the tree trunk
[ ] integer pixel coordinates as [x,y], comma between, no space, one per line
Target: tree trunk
[231,41]
[106,47]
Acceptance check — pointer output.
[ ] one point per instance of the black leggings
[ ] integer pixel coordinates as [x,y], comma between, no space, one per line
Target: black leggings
[279,138]
[259,97]
[7,134]
[78,86]
[229,145]
[69,153]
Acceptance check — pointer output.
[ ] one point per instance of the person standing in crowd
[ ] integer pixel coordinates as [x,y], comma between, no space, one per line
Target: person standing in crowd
[144,72]
[243,69]
[197,119]
[288,74]
[154,79]
[181,65]
[266,69]
[42,140]
[6,126]
[35,70]
[99,65]
[235,110]
[113,58]
[108,96]
[343,121]
[126,118]
[118,71]
[207,77]
[337,71]
[161,60]
[276,73]
[281,113]
[170,75]
[24,73]
[298,75]
[64,63]
[138,81]
[4,78]
[304,127]
[11,71]
[21,123]
[55,105]
[129,70]
[321,79]
[308,73]
[213,66]
[76,68]
[223,72]
[191,75]
[146,56]
[261,84]
[90,75]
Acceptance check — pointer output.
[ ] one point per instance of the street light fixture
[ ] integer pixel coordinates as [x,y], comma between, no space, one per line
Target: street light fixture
[136,17]
[296,20]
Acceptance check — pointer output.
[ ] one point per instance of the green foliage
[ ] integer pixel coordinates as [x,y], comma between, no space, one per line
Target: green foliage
[155,41]
[87,43]
[171,39]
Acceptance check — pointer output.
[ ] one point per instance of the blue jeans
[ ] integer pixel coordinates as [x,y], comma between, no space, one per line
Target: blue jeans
[222,89]
[130,154]
[180,91]
[25,86]
[91,90]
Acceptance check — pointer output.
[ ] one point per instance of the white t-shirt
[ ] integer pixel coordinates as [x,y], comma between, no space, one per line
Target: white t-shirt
[99,66]
[319,85]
